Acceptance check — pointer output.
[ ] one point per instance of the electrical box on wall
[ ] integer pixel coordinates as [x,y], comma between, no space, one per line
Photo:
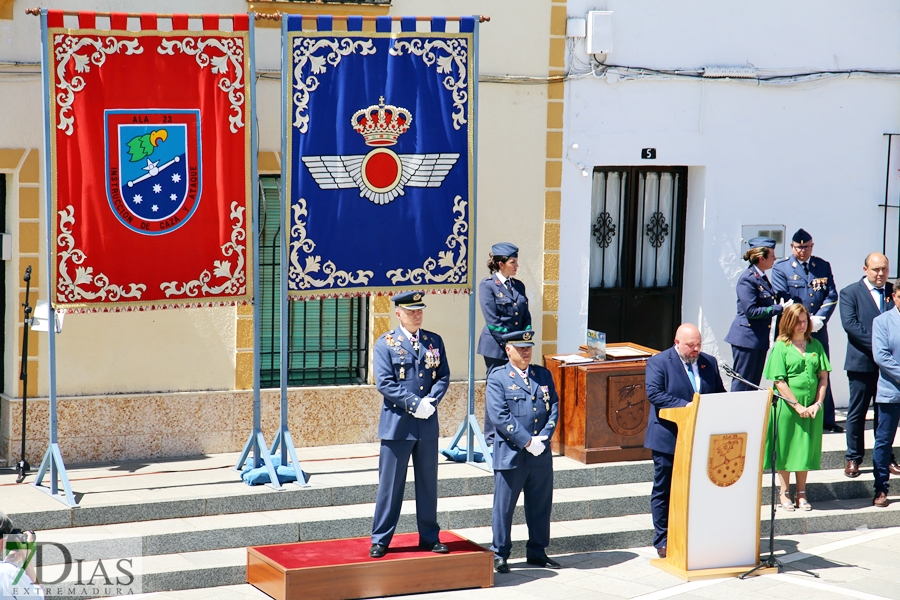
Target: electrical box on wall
[576,28]
[599,32]
[776,232]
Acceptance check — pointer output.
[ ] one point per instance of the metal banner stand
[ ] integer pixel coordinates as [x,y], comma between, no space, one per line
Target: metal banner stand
[470,425]
[283,439]
[52,458]
[256,442]
[22,467]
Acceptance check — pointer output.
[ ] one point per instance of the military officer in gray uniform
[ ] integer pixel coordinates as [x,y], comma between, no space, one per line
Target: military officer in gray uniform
[523,405]
[412,374]
[807,280]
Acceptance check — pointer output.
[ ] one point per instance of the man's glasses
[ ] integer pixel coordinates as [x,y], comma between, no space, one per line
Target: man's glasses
[804,247]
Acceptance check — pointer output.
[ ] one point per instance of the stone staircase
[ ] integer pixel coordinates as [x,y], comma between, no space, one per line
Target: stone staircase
[192,519]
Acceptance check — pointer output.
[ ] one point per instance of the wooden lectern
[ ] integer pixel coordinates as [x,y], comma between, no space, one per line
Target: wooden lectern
[603,406]
[716,485]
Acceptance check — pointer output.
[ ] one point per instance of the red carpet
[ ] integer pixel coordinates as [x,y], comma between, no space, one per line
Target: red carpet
[356,550]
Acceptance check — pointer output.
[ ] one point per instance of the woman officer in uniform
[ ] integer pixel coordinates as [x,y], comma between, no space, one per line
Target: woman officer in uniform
[505,308]
[503,304]
[756,305]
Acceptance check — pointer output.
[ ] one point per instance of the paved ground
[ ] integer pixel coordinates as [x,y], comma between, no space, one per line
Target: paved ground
[856,564]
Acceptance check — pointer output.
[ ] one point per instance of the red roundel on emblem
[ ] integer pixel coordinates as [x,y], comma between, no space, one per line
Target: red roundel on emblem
[381,170]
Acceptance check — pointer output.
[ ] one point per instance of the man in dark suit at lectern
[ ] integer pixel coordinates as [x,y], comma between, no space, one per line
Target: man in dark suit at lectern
[673,376]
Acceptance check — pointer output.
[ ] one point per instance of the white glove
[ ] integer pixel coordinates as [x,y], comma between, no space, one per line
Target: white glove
[786,303]
[817,323]
[537,445]
[424,409]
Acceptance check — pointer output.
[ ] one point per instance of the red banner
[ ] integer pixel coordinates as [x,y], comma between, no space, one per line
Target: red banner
[150,154]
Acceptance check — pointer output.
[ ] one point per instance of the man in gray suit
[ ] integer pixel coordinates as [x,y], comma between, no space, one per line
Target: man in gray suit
[886,352]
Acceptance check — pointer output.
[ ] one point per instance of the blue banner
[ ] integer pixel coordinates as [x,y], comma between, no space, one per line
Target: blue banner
[379,158]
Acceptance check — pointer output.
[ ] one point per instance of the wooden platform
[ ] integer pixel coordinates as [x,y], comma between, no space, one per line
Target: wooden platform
[336,569]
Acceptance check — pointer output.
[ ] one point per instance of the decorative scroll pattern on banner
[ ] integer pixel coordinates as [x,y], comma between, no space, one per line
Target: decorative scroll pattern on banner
[70,286]
[380,160]
[152,162]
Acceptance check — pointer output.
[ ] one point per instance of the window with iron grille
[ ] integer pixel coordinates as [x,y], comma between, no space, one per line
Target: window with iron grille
[328,338]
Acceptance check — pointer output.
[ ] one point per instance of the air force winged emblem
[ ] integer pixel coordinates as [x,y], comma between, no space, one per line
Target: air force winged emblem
[382,174]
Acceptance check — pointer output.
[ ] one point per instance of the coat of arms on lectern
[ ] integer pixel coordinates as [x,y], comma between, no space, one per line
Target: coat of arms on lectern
[727,453]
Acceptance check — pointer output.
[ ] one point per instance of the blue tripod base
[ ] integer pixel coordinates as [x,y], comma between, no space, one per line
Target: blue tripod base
[54,463]
[470,428]
[257,444]
[284,441]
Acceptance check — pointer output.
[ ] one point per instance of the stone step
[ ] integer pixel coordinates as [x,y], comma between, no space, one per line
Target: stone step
[332,483]
[202,533]
[224,567]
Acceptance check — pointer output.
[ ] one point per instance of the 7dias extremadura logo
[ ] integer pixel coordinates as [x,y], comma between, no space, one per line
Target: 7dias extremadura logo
[72,565]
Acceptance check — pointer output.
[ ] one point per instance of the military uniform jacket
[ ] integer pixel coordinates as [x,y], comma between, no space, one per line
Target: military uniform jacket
[756,305]
[520,412]
[814,290]
[503,312]
[405,376]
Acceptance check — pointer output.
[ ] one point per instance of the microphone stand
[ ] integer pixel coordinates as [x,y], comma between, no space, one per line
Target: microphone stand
[770,562]
[22,467]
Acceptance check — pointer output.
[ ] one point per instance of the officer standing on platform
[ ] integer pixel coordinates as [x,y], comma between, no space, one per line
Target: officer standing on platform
[522,403]
[756,305]
[412,374]
[807,280]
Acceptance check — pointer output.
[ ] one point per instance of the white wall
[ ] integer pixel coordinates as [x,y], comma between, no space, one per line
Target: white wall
[808,155]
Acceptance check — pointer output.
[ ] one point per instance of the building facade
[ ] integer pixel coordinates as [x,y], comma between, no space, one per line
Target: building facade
[178,382]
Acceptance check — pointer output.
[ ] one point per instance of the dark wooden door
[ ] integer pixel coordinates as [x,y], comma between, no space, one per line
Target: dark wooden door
[637,253]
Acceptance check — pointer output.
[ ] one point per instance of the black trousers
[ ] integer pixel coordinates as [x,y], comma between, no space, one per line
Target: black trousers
[659,497]
[863,386]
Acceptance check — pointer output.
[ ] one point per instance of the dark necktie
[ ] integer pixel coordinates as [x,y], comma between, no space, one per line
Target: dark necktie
[880,298]
[766,279]
[806,268]
[508,285]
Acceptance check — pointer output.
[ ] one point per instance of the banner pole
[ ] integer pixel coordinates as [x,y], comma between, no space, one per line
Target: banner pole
[256,442]
[283,440]
[53,457]
[470,424]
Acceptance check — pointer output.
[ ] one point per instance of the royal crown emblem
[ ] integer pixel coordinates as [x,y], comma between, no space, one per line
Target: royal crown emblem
[382,174]
[380,124]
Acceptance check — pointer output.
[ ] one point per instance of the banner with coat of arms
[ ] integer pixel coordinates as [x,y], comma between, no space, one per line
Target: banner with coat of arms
[150,152]
[379,161]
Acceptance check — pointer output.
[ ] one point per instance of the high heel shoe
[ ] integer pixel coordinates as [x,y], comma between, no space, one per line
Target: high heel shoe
[786,503]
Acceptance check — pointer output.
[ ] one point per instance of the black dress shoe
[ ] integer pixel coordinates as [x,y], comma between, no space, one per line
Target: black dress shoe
[835,428]
[500,565]
[661,551]
[436,547]
[544,561]
[377,550]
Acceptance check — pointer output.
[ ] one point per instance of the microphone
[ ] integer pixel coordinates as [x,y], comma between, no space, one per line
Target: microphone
[729,371]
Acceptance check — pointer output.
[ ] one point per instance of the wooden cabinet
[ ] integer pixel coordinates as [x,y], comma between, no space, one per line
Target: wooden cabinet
[603,408]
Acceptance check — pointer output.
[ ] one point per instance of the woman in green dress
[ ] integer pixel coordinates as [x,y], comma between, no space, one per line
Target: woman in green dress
[798,366]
